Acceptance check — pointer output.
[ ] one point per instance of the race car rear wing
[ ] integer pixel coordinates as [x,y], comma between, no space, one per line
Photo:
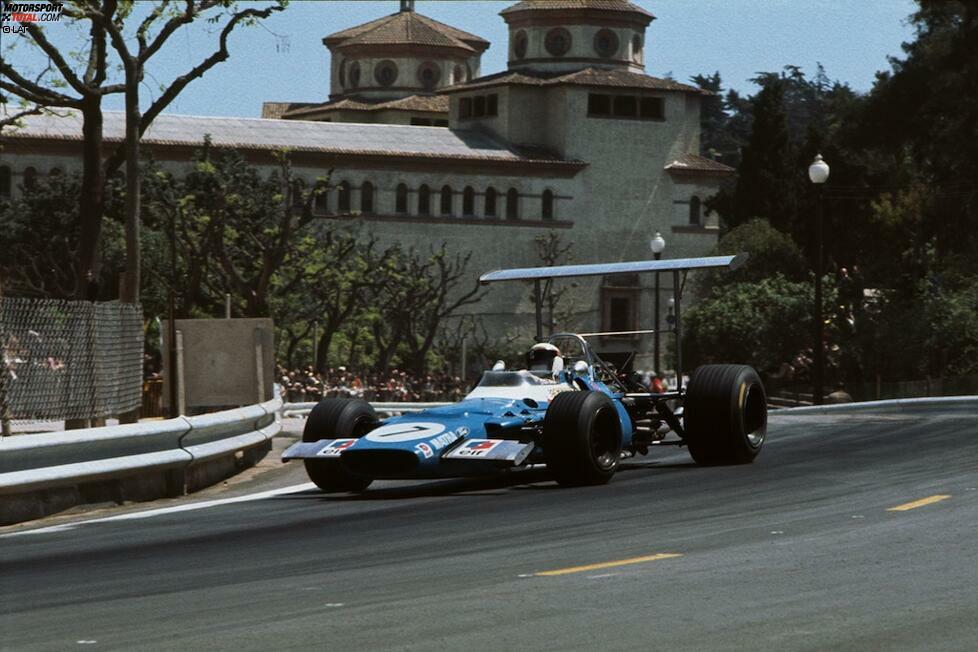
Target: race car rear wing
[606,269]
[674,265]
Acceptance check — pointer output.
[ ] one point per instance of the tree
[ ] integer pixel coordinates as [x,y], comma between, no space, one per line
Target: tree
[767,180]
[552,251]
[721,135]
[235,229]
[61,85]
[763,324]
[418,294]
[134,63]
[329,281]
[105,21]
[918,118]
[40,240]
[769,252]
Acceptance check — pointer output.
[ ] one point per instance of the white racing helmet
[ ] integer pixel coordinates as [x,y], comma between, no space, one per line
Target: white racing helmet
[542,357]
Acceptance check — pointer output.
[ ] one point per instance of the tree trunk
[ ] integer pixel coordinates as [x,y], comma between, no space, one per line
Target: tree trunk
[133,186]
[92,201]
[322,353]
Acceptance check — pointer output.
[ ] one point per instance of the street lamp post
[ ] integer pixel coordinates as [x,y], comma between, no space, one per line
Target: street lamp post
[658,245]
[818,172]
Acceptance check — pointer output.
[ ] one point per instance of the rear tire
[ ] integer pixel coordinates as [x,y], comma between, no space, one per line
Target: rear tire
[337,418]
[582,438]
[725,414]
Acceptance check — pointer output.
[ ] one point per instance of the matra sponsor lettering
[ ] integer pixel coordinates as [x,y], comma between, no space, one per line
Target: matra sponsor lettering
[441,441]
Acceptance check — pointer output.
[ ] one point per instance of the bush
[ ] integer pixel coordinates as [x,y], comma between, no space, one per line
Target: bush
[762,324]
[770,252]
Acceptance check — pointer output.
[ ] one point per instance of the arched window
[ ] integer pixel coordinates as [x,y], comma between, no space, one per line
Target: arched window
[446,200]
[694,210]
[424,200]
[5,181]
[297,186]
[320,204]
[400,205]
[548,205]
[490,202]
[468,201]
[367,198]
[512,204]
[30,178]
[343,197]
[637,48]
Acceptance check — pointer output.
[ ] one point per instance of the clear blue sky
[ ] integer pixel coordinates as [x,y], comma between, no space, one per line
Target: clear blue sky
[285,59]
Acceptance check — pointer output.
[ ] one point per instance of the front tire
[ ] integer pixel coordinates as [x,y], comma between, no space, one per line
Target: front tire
[337,418]
[725,414]
[582,438]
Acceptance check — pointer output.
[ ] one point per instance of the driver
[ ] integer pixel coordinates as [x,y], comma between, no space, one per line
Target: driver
[544,357]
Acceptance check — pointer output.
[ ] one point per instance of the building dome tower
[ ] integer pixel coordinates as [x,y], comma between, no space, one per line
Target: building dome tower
[391,70]
[401,55]
[563,35]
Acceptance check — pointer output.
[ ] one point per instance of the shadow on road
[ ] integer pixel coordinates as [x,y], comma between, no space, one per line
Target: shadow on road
[534,479]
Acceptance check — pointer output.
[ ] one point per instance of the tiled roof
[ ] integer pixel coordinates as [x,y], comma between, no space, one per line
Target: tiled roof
[427,103]
[407,27]
[272,110]
[295,135]
[698,164]
[585,77]
[608,5]
[437,103]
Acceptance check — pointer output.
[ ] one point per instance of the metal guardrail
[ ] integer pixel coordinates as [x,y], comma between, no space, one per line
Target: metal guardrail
[896,404]
[50,460]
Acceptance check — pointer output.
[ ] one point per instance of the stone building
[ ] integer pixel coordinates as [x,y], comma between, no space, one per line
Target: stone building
[573,138]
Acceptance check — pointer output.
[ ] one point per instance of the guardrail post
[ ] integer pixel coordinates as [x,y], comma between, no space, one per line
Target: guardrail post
[259,371]
[181,397]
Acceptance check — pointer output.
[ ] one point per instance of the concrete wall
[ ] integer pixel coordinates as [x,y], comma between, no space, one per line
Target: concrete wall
[220,361]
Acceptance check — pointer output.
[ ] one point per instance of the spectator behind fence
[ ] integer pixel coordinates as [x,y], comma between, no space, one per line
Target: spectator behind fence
[305,385]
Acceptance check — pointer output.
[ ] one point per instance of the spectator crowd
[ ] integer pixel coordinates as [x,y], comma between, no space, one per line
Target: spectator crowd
[306,385]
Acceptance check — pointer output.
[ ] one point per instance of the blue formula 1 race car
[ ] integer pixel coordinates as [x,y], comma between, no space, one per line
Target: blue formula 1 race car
[567,409]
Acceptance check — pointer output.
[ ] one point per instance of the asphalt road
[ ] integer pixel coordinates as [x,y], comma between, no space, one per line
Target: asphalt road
[800,550]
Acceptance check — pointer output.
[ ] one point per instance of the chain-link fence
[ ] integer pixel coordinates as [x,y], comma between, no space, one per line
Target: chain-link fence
[69,359]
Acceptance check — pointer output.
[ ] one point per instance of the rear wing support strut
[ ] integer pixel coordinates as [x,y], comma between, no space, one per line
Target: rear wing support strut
[675,265]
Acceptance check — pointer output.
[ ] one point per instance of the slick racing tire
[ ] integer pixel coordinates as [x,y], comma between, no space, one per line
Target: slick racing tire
[582,438]
[725,414]
[337,418]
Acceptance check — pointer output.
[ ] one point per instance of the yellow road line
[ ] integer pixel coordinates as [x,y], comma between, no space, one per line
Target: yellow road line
[608,564]
[930,500]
